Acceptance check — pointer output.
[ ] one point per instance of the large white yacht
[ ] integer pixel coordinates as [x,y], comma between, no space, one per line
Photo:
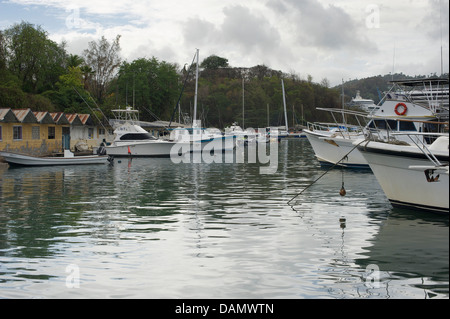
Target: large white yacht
[367,105]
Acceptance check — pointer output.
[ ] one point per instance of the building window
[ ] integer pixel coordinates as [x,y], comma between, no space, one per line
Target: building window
[101,131]
[91,133]
[17,133]
[36,133]
[51,133]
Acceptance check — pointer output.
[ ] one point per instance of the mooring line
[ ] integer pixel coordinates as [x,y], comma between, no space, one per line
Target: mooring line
[334,165]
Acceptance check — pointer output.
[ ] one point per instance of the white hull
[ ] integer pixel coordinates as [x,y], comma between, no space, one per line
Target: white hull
[330,150]
[403,179]
[24,160]
[216,144]
[158,148]
[296,135]
[209,140]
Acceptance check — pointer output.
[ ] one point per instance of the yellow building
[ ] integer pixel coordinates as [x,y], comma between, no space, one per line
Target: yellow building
[40,133]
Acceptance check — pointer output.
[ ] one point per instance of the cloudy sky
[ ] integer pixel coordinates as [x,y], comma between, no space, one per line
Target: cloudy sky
[333,39]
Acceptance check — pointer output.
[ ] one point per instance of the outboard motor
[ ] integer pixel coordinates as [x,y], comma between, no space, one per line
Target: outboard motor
[101,150]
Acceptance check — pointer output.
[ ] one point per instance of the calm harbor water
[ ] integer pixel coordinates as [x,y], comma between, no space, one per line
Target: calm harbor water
[149,228]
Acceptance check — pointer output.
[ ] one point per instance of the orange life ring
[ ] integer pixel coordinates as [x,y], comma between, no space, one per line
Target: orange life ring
[403,105]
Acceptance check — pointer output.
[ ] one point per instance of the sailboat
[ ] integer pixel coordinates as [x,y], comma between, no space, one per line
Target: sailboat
[282,132]
[249,135]
[199,137]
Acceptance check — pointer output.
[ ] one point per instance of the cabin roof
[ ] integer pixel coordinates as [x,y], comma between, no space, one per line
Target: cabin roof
[74,119]
[59,118]
[44,117]
[86,119]
[8,116]
[25,116]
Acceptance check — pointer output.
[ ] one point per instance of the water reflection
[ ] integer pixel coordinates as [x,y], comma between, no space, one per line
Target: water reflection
[411,249]
[149,228]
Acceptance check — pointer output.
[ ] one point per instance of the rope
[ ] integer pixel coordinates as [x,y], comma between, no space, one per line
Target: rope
[98,108]
[326,172]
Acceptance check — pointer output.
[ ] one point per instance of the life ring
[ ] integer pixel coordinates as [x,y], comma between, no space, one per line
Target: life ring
[405,109]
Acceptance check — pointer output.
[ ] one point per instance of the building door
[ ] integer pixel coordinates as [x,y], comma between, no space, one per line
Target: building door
[66,138]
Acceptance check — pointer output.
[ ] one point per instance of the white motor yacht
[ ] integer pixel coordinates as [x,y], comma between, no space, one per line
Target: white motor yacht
[413,176]
[132,140]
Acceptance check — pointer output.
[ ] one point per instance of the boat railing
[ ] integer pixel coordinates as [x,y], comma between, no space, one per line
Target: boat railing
[390,134]
[344,128]
[423,146]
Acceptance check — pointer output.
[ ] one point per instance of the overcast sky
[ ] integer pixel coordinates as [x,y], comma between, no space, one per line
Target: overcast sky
[333,39]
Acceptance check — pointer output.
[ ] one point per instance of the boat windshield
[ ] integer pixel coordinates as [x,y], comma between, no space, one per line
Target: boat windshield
[137,137]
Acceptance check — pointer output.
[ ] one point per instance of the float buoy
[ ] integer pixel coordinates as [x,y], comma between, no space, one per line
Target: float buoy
[403,107]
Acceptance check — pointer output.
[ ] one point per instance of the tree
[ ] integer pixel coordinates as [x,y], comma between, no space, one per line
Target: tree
[325,83]
[214,62]
[150,85]
[103,58]
[74,60]
[2,52]
[32,57]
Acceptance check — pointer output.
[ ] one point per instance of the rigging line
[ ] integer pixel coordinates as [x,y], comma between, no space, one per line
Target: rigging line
[151,113]
[101,123]
[326,172]
[182,90]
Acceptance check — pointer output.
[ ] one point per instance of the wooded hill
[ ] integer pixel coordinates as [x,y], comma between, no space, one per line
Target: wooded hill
[37,73]
[373,87]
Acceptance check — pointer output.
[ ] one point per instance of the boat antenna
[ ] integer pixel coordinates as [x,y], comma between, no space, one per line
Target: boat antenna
[393,64]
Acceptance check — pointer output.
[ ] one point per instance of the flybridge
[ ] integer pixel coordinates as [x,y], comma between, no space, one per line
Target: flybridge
[430,92]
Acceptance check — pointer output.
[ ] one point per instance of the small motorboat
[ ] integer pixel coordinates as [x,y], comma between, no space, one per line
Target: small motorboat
[15,159]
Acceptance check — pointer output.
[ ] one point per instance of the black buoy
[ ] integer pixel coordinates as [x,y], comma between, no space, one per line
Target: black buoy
[342,221]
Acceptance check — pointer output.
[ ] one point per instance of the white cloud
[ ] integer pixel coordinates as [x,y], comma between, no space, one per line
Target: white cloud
[324,38]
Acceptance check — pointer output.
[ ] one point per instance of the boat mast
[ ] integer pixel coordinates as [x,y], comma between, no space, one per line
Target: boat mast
[243,103]
[343,103]
[440,22]
[284,102]
[194,124]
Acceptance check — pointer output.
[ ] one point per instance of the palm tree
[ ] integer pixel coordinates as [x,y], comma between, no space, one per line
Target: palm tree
[74,61]
[87,75]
